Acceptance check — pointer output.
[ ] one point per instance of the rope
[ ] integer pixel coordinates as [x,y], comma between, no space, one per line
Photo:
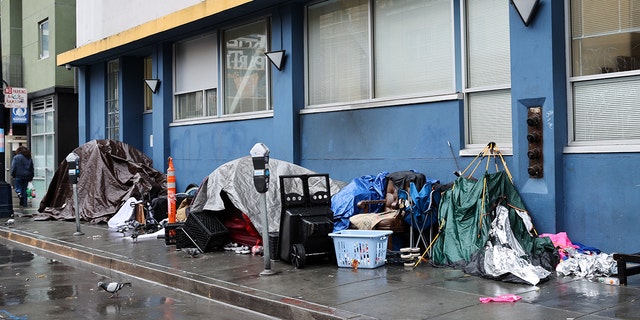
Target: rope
[484,194]
[430,244]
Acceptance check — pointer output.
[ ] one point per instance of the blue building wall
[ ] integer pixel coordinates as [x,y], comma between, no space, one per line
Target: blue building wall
[538,71]
[601,199]
[590,196]
[96,100]
[147,133]
[349,144]
[132,94]
[198,149]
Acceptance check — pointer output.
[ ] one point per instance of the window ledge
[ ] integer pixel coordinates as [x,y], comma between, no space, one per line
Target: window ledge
[379,103]
[473,151]
[226,118]
[611,148]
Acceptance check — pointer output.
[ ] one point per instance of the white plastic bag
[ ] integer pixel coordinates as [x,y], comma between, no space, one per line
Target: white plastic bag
[31,191]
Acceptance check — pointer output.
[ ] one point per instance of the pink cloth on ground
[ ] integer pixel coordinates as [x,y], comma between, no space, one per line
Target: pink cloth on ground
[501,298]
[560,240]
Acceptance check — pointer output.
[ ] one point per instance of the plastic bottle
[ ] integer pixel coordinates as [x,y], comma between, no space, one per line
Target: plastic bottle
[610,280]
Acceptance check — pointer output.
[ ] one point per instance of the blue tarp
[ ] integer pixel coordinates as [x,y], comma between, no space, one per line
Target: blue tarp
[344,203]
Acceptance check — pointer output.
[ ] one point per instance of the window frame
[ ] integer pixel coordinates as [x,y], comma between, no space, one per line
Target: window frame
[112,101]
[372,101]
[43,39]
[222,109]
[591,146]
[200,90]
[148,94]
[469,90]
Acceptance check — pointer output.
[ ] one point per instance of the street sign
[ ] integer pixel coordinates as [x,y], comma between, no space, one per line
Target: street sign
[19,115]
[15,97]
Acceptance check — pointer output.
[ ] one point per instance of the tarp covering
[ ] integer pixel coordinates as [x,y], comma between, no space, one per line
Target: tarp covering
[466,214]
[235,178]
[344,203]
[110,173]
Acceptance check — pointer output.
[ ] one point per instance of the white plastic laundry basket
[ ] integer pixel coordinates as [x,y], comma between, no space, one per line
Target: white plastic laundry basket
[361,248]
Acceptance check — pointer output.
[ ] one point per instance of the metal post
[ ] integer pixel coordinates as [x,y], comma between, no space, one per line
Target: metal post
[75,206]
[265,237]
[6,200]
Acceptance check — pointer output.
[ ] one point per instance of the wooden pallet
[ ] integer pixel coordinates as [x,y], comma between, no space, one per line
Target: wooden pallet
[623,270]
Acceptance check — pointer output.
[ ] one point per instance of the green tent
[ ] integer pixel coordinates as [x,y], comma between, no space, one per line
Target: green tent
[465,215]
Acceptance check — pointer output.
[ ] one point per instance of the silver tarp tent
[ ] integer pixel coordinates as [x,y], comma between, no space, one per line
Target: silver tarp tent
[235,178]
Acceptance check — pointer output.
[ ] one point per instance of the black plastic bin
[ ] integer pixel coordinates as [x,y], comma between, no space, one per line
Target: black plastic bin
[206,231]
[171,232]
[306,218]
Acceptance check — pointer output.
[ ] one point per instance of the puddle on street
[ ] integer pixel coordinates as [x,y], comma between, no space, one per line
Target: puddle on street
[26,278]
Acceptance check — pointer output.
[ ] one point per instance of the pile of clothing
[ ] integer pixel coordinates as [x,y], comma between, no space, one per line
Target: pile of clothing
[579,260]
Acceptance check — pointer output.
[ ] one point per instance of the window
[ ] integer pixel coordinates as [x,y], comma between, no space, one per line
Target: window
[605,72]
[245,69]
[196,78]
[42,141]
[488,74]
[113,109]
[404,49]
[148,94]
[43,39]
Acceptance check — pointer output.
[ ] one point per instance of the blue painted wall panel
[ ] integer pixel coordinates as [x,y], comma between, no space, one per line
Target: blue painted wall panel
[602,201]
[147,131]
[534,63]
[198,149]
[349,144]
[97,114]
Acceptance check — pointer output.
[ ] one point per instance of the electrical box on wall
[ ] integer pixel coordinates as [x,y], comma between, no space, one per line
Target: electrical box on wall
[534,137]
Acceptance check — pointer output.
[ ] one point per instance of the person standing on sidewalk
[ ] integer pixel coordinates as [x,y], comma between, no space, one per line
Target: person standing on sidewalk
[22,172]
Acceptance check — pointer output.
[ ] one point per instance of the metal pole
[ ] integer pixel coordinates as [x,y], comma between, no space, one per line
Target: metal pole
[265,237]
[75,206]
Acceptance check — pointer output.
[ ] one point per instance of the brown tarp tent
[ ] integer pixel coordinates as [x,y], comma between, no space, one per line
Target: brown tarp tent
[110,173]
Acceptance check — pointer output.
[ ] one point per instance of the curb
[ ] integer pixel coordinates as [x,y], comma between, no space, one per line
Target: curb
[241,296]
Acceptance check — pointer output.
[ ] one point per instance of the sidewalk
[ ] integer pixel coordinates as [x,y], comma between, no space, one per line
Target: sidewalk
[321,290]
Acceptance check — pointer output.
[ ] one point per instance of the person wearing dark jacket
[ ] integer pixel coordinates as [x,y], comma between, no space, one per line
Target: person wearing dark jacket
[22,172]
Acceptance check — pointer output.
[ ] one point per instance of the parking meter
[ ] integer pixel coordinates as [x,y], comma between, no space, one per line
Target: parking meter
[73,165]
[260,157]
[73,169]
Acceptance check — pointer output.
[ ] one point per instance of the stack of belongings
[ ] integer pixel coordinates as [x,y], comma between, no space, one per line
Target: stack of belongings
[485,231]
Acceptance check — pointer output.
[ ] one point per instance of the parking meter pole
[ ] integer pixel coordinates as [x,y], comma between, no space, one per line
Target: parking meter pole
[260,158]
[75,205]
[73,171]
[265,237]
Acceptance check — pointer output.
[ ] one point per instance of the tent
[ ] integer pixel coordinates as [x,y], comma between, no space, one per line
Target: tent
[235,180]
[485,230]
[110,173]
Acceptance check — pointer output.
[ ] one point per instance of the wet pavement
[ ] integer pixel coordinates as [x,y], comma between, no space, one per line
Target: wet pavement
[34,286]
[321,290]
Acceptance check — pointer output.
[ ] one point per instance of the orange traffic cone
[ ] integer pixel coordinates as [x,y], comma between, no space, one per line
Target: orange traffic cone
[171,192]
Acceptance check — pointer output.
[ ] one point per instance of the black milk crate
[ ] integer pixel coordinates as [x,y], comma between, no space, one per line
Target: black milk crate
[206,231]
[183,241]
[171,233]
